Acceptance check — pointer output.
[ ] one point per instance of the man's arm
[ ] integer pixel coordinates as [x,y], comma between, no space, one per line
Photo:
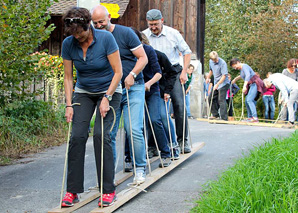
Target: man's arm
[186,62]
[141,63]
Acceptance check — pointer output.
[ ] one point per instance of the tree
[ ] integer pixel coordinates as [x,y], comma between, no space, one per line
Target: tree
[22,27]
[253,30]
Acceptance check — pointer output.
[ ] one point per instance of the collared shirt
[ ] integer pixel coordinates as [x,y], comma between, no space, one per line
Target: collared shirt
[285,84]
[219,69]
[246,72]
[170,42]
[293,75]
[94,73]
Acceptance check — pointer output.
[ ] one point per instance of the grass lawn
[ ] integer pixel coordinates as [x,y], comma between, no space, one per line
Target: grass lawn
[265,180]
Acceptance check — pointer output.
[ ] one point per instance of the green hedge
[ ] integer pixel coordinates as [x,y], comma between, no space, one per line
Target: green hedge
[29,126]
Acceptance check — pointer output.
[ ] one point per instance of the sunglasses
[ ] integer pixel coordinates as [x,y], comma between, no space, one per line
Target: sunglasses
[76,20]
[294,65]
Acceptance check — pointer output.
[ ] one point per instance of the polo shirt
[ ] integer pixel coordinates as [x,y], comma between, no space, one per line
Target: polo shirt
[127,41]
[94,73]
[219,69]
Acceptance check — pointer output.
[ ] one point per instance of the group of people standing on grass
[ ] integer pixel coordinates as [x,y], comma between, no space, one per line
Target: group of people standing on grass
[128,71]
[221,89]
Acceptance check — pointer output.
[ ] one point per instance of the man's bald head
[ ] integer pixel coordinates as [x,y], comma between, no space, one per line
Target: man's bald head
[101,17]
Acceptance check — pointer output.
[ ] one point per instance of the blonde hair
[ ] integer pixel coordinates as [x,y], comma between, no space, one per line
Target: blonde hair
[213,55]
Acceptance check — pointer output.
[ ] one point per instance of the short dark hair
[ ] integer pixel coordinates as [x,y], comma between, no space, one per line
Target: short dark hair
[76,19]
[190,65]
[234,61]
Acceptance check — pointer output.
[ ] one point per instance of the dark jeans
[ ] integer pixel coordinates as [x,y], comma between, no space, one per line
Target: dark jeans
[179,109]
[219,102]
[77,144]
[154,108]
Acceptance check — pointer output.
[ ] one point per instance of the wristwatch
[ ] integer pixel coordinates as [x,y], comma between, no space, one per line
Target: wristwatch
[133,74]
[109,97]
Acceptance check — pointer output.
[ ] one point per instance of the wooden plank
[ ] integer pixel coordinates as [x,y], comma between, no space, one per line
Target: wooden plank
[91,195]
[158,173]
[250,123]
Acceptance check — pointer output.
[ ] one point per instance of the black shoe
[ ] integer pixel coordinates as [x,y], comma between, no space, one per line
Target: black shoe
[191,117]
[151,151]
[166,162]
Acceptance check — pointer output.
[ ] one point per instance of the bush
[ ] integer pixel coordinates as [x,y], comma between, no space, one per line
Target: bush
[264,181]
[29,126]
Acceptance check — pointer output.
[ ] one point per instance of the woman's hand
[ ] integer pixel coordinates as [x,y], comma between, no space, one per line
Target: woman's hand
[69,114]
[104,107]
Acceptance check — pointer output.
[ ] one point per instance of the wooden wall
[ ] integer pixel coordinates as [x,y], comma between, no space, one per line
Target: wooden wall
[179,14]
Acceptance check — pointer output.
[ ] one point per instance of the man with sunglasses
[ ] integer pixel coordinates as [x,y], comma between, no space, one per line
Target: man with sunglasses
[169,41]
[134,59]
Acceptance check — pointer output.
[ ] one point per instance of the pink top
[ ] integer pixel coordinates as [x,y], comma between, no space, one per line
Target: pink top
[270,90]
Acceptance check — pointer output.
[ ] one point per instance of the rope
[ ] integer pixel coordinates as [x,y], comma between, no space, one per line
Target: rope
[65,164]
[146,145]
[102,142]
[169,128]
[183,135]
[242,108]
[154,137]
[209,114]
[130,128]
[66,158]
[278,117]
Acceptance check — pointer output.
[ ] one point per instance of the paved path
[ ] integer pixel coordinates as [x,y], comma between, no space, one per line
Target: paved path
[33,184]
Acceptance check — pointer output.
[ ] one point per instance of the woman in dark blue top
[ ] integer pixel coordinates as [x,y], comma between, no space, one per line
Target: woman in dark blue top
[96,57]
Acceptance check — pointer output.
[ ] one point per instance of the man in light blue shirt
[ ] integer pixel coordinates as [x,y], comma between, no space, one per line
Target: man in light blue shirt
[289,90]
[219,69]
[170,41]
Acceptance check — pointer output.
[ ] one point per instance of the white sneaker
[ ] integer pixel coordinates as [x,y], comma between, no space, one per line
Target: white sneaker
[140,176]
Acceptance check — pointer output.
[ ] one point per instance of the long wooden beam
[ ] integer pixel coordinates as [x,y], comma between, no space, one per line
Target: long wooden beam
[263,124]
[128,193]
[93,194]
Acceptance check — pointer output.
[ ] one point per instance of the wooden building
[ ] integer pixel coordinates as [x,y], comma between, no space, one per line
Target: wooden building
[179,14]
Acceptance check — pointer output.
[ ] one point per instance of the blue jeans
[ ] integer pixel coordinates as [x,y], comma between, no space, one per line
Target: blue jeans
[136,102]
[269,104]
[165,122]
[154,108]
[187,102]
[250,102]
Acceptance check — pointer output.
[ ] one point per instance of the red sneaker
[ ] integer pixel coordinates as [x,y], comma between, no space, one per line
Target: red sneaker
[69,199]
[107,199]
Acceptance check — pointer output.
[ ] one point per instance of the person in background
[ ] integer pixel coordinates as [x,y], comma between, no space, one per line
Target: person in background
[292,72]
[230,94]
[187,87]
[218,68]
[253,86]
[134,59]
[268,99]
[289,90]
[169,41]
[98,87]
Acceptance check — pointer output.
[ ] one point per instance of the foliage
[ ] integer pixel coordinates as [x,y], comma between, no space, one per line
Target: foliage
[261,33]
[264,181]
[22,27]
[25,126]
